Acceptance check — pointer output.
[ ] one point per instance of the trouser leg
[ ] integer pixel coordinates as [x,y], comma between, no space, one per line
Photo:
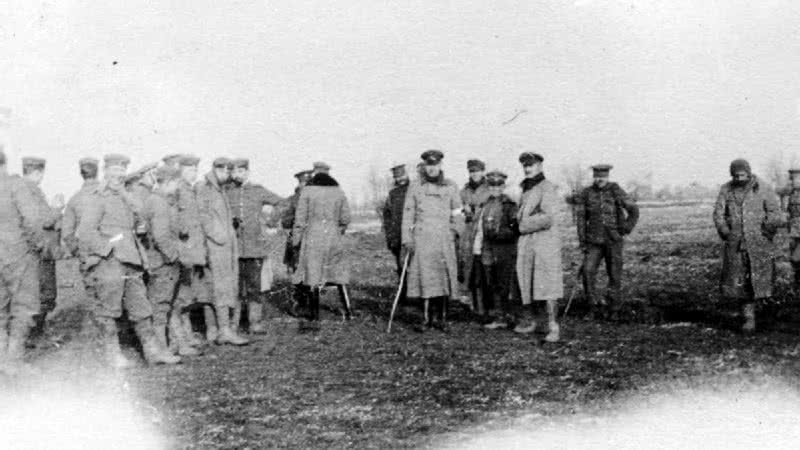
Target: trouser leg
[162,292]
[591,262]
[613,260]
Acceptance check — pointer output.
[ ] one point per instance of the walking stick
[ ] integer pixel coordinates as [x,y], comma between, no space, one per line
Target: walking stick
[399,291]
[574,291]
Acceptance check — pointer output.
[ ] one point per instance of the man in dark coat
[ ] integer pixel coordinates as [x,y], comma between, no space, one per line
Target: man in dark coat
[496,233]
[291,253]
[473,195]
[605,215]
[747,217]
[393,218]
[247,199]
[791,196]
[77,203]
[20,243]
[116,263]
[33,173]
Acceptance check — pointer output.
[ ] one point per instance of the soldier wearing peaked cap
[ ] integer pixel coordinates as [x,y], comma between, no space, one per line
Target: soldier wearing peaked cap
[428,235]
[473,195]
[291,253]
[116,262]
[248,201]
[173,160]
[393,217]
[33,173]
[20,242]
[605,215]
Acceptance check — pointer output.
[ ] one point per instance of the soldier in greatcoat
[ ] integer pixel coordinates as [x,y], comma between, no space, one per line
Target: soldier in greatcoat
[247,200]
[116,263]
[21,236]
[33,172]
[393,219]
[321,220]
[163,255]
[605,215]
[747,217]
[430,207]
[473,195]
[223,252]
[539,268]
[300,292]
[496,232]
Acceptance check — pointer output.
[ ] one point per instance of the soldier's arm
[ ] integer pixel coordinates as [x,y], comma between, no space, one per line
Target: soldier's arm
[544,217]
[409,217]
[720,221]
[580,217]
[90,240]
[300,218]
[270,198]
[68,227]
[207,220]
[631,210]
[158,212]
[456,205]
[774,217]
[30,214]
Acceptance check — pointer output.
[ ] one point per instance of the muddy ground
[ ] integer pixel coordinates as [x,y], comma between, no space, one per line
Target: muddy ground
[353,385]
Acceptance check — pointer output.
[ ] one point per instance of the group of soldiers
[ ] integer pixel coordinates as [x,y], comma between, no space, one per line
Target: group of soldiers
[505,255]
[156,243]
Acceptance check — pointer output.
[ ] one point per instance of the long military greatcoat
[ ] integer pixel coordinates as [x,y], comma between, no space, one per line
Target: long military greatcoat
[428,224]
[246,202]
[73,213]
[747,219]
[51,224]
[223,254]
[20,222]
[319,223]
[193,251]
[539,246]
[161,215]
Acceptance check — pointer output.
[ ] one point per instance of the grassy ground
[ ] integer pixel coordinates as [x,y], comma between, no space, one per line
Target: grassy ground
[351,384]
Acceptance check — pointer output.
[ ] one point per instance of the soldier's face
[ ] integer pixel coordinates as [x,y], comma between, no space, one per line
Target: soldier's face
[189,173]
[741,176]
[496,191]
[476,175]
[601,180]
[240,174]
[170,187]
[433,170]
[115,175]
[795,180]
[531,170]
[35,176]
[222,174]
[401,180]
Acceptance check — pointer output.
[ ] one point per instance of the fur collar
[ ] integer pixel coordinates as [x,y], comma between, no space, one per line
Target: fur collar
[322,179]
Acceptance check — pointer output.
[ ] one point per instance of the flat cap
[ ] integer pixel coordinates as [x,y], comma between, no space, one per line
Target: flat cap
[33,162]
[115,159]
[319,165]
[189,160]
[173,158]
[529,158]
[432,156]
[303,174]
[740,165]
[240,162]
[602,168]
[88,161]
[496,178]
[221,162]
[166,173]
[474,165]
[139,173]
[399,171]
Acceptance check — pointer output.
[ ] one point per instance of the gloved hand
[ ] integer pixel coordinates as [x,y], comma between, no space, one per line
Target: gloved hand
[407,250]
[183,236]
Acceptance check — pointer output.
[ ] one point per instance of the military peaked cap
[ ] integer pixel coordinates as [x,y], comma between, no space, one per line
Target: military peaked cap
[474,165]
[32,162]
[602,169]
[303,174]
[166,173]
[399,171]
[115,159]
[139,173]
[529,158]
[432,156]
[173,158]
[240,162]
[88,161]
[221,162]
[189,160]
[322,166]
[496,178]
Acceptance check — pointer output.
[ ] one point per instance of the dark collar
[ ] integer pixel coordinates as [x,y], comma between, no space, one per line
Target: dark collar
[322,179]
[529,183]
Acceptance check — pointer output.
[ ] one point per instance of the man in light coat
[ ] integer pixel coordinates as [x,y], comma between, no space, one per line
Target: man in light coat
[539,246]
[432,202]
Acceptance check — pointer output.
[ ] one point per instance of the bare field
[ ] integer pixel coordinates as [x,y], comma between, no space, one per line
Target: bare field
[352,385]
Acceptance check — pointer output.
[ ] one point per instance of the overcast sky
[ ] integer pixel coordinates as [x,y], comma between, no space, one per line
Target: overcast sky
[674,87]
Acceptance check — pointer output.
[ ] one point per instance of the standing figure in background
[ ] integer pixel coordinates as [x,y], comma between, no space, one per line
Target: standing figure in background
[429,210]
[21,236]
[223,254]
[496,243]
[247,199]
[605,215]
[77,203]
[471,274]
[393,219]
[747,217]
[322,217]
[33,173]
[539,247]
[791,195]
[300,292]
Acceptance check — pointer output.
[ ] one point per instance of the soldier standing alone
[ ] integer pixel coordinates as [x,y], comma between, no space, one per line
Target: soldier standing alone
[393,218]
[605,215]
[247,199]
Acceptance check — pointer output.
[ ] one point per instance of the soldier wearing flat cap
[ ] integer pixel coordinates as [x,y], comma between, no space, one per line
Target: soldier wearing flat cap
[248,200]
[747,216]
[473,195]
[393,217]
[33,172]
[115,262]
[322,217]
[495,243]
[605,215]
[20,243]
[428,236]
[194,264]
[173,160]
[291,253]
[163,289]
[223,251]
